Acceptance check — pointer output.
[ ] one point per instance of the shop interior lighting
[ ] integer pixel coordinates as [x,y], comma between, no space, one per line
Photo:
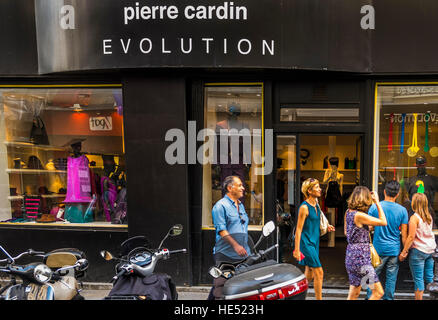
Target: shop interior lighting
[77,107]
[328,113]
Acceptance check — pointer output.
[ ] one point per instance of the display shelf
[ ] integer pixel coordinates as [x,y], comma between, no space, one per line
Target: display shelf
[399,168]
[34,171]
[47,196]
[323,170]
[34,146]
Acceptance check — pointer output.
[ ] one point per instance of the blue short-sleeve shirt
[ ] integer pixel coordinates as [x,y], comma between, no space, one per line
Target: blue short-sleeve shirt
[386,239]
[227,216]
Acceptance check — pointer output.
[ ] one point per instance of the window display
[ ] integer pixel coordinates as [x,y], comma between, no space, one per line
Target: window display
[62,156]
[234,112]
[406,127]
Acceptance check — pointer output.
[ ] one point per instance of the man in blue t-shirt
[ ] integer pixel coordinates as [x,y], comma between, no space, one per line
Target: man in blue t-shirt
[386,239]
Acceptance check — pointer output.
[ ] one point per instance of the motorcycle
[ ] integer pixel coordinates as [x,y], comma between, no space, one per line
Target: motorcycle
[135,278]
[257,277]
[53,279]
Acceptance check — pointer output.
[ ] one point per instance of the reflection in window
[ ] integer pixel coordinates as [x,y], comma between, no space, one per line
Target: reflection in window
[239,108]
[319,114]
[62,156]
[408,140]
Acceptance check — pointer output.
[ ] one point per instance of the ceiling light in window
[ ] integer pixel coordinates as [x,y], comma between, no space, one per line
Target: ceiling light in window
[77,107]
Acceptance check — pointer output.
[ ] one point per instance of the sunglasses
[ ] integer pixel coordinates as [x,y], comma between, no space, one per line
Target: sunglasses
[242,218]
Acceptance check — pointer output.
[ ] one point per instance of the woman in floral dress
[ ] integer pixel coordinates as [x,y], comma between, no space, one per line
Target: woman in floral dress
[357,259]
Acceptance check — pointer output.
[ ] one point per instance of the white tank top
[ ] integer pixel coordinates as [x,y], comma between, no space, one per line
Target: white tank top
[424,237]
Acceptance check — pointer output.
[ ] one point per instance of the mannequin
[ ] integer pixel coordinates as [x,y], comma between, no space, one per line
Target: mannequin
[334,181]
[78,175]
[229,169]
[78,197]
[108,184]
[423,183]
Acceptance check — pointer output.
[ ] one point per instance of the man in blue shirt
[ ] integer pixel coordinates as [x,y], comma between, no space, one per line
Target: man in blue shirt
[386,239]
[231,223]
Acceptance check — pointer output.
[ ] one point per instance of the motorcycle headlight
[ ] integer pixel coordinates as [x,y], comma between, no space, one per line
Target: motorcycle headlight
[42,273]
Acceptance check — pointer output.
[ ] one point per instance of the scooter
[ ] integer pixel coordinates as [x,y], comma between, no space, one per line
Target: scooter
[259,278]
[53,279]
[135,278]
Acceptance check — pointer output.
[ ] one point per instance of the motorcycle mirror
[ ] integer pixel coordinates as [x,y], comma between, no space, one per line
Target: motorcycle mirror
[82,264]
[268,228]
[176,230]
[266,231]
[215,272]
[106,255]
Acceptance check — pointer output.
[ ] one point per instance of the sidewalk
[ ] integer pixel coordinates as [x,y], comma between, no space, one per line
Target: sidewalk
[97,291]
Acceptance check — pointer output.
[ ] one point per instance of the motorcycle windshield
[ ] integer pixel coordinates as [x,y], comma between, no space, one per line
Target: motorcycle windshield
[128,245]
[223,246]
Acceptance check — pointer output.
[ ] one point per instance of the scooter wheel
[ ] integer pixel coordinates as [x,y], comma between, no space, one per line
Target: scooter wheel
[78,297]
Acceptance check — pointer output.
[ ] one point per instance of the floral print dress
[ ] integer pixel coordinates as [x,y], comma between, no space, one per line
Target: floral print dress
[358,259]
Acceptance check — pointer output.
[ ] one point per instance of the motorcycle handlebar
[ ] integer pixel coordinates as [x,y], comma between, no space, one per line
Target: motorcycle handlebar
[29,252]
[118,275]
[268,250]
[178,251]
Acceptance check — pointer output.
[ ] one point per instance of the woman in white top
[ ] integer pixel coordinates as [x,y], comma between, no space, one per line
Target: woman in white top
[422,240]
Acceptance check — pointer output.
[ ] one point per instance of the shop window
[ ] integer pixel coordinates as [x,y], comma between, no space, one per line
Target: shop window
[62,156]
[309,114]
[406,134]
[240,108]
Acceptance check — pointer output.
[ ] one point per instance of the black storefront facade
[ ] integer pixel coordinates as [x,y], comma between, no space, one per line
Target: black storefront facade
[320,75]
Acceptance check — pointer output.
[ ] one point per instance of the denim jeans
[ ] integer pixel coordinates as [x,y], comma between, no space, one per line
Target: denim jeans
[391,263]
[421,265]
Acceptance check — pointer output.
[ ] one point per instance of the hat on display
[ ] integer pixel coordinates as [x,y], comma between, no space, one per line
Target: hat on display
[73,142]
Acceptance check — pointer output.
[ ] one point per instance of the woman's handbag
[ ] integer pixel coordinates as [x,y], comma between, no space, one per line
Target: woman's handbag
[38,133]
[375,259]
[323,223]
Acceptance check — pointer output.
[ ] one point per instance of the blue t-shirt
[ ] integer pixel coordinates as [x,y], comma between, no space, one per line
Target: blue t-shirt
[387,238]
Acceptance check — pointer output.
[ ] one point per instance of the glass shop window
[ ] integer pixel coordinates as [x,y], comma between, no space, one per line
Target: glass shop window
[407,131]
[234,113]
[62,157]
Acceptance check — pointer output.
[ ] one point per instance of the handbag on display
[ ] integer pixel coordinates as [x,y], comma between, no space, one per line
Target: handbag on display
[50,165]
[60,163]
[375,259]
[34,163]
[38,133]
[19,164]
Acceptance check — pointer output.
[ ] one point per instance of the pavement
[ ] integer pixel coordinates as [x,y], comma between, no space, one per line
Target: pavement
[97,291]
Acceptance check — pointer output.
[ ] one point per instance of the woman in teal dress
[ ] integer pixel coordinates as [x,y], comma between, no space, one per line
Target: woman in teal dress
[307,235]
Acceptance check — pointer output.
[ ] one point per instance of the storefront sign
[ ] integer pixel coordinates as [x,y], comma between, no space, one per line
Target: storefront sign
[79,35]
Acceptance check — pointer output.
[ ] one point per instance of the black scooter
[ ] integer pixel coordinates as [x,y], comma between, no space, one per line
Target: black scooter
[135,278]
[259,278]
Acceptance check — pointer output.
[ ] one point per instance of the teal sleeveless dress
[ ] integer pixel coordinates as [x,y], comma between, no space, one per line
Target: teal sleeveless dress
[309,244]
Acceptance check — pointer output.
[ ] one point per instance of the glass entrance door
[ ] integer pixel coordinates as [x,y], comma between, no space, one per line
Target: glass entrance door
[335,160]
[286,192]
